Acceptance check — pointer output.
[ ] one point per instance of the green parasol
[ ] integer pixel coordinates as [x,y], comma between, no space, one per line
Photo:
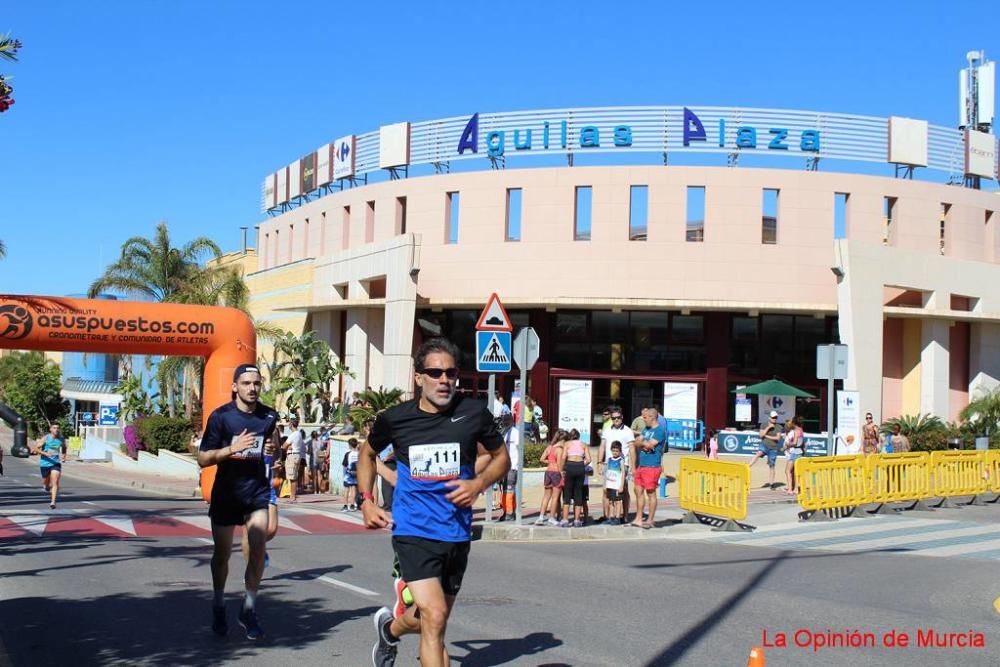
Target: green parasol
[773,387]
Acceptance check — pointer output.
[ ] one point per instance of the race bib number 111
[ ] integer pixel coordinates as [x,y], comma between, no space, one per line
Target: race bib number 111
[436,461]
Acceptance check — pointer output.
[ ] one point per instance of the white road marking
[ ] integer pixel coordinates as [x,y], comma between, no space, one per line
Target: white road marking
[198,521]
[122,523]
[205,540]
[347,586]
[34,523]
[285,522]
[87,502]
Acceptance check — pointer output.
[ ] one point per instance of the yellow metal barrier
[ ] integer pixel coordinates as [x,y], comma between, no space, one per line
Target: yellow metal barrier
[714,488]
[959,473]
[830,482]
[993,469]
[903,477]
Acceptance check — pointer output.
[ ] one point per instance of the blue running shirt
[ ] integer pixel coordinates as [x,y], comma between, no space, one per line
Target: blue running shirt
[431,449]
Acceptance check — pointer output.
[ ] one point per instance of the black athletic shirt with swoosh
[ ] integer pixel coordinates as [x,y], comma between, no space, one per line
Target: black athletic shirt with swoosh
[419,505]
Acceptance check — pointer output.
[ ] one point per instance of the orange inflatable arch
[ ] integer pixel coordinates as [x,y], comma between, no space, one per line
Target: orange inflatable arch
[223,336]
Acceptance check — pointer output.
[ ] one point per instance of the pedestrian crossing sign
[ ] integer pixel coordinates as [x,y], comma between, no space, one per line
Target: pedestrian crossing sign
[493,351]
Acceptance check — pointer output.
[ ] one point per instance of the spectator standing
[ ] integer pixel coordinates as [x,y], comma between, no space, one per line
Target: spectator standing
[712,451]
[499,407]
[648,456]
[895,442]
[869,435]
[614,484]
[795,448]
[609,434]
[350,465]
[639,423]
[553,481]
[770,445]
[575,459]
[295,446]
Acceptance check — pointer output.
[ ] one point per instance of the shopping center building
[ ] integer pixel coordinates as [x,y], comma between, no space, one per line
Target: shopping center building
[706,245]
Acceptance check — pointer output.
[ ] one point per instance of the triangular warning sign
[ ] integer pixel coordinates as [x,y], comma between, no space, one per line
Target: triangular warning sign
[494,317]
[494,353]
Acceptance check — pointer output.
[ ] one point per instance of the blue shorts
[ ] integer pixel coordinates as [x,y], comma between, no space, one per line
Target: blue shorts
[45,470]
[772,454]
[274,497]
[794,455]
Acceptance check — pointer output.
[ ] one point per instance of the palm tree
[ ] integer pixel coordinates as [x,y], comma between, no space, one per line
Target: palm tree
[305,374]
[9,47]
[983,414]
[153,269]
[3,250]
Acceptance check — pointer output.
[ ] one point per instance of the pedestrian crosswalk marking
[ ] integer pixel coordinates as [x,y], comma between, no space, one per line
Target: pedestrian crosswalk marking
[121,523]
[891,535]
[33,523]
[285,522]
[198,521]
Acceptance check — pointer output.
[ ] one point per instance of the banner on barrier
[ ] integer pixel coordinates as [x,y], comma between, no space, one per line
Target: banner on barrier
[748,442]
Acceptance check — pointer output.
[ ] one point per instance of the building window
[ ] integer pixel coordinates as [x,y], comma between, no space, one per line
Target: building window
[513,217]
[991,239]
[322,233]
[277,248]
[264,250]
[345,229]
[638,212]
[889,219]
[452,206]
[305,238]
[769,217]
[400,215]
[840,215]
[582,213]
[291,246]
[369,221]
[695,231]
[945,216]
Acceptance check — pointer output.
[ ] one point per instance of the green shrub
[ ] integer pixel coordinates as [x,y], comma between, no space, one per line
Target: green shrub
[532,454]
[161,432]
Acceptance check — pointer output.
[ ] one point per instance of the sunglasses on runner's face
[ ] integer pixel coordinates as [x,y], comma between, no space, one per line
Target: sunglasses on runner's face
[436,373]
[616,417]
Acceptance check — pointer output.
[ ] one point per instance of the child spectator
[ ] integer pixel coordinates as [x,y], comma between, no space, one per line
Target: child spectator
[350,464]
[553,481]
[614,482]
[713,446]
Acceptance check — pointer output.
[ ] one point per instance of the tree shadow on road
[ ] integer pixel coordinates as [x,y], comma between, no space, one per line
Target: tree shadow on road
[490,652]
[166,628]
[310,574]
[696,631]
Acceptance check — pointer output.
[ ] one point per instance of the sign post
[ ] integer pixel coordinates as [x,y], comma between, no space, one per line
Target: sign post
[526,347]
[493,354]
[831,364]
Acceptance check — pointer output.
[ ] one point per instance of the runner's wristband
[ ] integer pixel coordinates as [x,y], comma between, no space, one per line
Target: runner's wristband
[367,496]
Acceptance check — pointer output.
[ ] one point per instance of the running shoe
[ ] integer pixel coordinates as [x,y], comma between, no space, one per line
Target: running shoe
[248,619]
[554,523]
[403,597]
[578,524]
[344,509]
[52,506]
[384,650]
[267,560]
[564,524]
[540,521]
[219,624]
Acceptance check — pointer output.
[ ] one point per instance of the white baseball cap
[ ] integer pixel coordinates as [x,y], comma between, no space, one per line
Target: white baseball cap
[774,413]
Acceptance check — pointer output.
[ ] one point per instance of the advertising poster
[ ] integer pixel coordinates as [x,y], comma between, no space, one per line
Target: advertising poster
[783,405]
[308,173]
[848,422]
[680,400]
[744,410]
[574,406]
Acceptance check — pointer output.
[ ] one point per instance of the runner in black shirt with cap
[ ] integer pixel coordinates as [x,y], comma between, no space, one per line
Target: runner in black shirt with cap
[436,438]
[237,437]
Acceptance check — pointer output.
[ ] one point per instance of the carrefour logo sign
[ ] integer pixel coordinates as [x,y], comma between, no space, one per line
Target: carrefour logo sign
[555,135]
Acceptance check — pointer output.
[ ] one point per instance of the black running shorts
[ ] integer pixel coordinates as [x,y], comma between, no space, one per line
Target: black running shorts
[421,558]
[227,510]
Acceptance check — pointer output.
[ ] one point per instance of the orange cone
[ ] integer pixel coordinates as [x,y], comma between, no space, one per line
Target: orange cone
[756,657]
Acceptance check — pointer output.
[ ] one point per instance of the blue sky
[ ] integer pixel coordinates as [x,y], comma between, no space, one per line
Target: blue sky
[133,112]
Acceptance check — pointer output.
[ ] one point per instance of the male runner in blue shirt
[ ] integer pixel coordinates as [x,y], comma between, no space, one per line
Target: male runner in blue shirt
[435,437]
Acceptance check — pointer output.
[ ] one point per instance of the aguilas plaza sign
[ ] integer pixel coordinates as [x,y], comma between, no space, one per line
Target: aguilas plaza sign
[556,134]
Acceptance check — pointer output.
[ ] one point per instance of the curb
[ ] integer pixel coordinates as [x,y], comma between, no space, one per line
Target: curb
[148,487]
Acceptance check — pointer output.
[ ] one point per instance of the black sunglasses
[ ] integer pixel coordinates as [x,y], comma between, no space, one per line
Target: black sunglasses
[436,373]
[616,416]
